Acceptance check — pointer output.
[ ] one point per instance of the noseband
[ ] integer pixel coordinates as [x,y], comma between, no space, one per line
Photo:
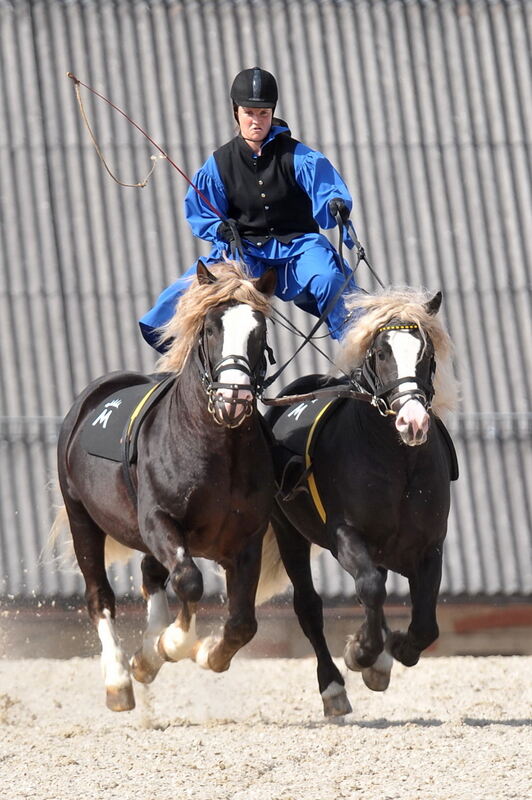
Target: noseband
[385,395]
[210,378]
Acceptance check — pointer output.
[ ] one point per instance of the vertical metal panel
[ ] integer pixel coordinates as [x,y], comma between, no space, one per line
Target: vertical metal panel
[424,106]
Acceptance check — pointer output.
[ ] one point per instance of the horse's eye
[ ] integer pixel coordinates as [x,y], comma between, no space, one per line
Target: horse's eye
[209,331]
[381,355]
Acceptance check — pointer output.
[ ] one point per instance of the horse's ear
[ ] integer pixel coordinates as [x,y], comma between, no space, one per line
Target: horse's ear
[433,306]
[267,282]
[203,274]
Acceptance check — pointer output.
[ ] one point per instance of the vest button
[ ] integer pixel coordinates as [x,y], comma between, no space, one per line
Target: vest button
[259,244]
[260,183]
[266,208]
[262,194]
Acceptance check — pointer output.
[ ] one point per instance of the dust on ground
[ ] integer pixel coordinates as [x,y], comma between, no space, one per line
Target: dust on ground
[455,728]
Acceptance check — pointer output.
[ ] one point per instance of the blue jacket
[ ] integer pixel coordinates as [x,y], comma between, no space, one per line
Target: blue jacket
[313,172]
[318,179]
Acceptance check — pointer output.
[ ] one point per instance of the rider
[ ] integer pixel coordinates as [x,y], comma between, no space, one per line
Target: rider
[275,193]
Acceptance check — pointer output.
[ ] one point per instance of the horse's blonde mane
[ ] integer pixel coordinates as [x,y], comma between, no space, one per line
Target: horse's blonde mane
[408,305]
[183,329]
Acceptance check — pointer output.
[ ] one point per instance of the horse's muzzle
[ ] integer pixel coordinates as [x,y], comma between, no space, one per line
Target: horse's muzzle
[230,405]
[412,422]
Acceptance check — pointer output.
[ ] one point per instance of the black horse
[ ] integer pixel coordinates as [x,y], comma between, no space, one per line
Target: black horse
[202,484]
[376,490]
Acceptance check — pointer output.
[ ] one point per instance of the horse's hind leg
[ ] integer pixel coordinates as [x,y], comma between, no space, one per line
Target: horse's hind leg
[365,651]
[295,553]
[89,546]
[423,628]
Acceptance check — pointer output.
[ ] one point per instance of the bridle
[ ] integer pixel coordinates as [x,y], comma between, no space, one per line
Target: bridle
[210,379]
[387,398]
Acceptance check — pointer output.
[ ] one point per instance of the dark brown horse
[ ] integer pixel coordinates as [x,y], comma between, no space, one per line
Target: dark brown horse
[203,481]
[378,490]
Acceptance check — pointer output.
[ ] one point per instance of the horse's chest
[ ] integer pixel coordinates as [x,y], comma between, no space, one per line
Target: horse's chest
[226,495]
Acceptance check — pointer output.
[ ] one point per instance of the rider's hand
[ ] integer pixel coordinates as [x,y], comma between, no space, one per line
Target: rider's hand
[225,232]
[337,206]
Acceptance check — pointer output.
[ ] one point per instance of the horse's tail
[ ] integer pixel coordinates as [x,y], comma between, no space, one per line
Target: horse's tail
[59,525]
[58,546]
[273,578]
[114,551]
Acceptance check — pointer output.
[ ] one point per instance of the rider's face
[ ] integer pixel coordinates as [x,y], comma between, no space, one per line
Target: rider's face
[254,123]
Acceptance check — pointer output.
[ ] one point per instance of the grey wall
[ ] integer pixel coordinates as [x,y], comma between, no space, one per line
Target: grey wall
[425,107]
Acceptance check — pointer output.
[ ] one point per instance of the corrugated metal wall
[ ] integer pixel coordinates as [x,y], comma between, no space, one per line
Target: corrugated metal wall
[425,107]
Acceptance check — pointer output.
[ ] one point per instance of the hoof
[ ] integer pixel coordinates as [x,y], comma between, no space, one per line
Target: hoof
[349,655]
[142,670]
[121,699]
[377,677]
[174,643]
[335,702]
[202,653]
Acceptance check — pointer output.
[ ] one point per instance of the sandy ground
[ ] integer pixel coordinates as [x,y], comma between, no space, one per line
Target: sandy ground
[452,728]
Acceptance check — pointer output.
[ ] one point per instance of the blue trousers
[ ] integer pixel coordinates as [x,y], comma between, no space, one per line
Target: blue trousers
[311,275]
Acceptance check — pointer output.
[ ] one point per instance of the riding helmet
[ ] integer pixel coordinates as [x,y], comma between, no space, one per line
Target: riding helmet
[254,88]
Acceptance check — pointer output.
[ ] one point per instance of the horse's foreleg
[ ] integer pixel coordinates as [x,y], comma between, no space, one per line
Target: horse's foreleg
[89,543]
[242,578]
[423,629]
[176,641]
[295,553]
[365,652]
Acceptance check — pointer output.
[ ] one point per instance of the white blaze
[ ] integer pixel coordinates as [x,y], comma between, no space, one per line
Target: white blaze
[412,419]
[238,322]
[405,348]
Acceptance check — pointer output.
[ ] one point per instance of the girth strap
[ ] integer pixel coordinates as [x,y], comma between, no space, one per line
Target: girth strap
[129,440]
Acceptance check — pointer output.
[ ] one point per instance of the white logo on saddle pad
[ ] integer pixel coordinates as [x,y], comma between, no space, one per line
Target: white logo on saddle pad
[300,409]
[103,417]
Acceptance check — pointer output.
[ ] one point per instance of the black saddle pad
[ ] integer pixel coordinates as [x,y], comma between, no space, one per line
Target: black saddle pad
[293,427]
[103,432]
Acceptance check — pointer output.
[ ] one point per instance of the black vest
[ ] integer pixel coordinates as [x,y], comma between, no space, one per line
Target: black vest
[264,197]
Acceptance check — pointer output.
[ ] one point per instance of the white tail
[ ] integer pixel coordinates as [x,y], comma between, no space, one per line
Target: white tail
[114,551]
[273,578]
[58,548]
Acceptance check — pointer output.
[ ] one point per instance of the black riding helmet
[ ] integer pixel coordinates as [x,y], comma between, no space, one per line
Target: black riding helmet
[254,88]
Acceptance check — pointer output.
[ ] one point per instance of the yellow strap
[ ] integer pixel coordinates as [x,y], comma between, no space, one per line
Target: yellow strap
[138,408]
[311,482]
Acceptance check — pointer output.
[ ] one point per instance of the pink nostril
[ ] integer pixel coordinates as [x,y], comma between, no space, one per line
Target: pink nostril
[413,421]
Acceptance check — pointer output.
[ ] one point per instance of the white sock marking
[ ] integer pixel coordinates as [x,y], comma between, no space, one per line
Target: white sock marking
[114,662]
[176,642]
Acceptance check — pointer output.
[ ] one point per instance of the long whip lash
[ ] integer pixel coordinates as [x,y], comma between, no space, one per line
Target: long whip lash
[163,153]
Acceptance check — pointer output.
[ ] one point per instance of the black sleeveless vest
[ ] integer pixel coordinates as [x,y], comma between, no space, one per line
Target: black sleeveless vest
[264,197]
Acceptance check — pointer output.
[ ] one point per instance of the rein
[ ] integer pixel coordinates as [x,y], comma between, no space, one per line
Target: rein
[361,256]
[376,396]
[335,392]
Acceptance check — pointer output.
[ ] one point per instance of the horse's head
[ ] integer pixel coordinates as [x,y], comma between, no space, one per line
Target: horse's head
[398,369]
[232,352]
